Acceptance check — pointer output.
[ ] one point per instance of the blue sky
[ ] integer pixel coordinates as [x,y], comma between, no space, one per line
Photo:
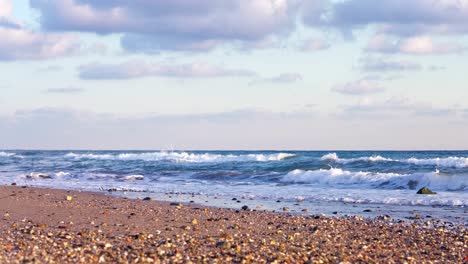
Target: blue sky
[233,74]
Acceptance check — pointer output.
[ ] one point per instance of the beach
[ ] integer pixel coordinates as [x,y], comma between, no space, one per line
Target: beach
[42,225]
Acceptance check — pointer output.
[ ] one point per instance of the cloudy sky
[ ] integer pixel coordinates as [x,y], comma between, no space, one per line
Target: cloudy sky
[233,74]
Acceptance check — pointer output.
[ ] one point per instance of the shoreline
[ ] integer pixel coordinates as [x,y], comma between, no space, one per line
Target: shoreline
[50,225]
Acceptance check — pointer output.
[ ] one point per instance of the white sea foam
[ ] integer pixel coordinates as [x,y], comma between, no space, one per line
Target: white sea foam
[61,174]
[449,162]
[7,154]
[336,176]
[339,177]
[133,177]
[454,162]
[334,157]
[330,156]
[183,157]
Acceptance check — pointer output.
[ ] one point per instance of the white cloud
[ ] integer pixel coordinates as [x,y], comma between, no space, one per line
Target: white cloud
[64,90]
[6,8]
[418,45]
[138,69]
[315,44]
[283,78]
[22,44]
[172,25]
[385,65]
[395,106]
[359,87]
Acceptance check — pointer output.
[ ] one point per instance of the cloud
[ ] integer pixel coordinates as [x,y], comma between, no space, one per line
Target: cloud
[360,87]
[66,90]
[419,45]
[22,44]
[6,8]
[436,68]
[315,44]
[395,106]
[399,17]
[51,128]
[138,69]
[19,43]
[50,68]
[383,65]
[283,78]
[247,129]
[172,25]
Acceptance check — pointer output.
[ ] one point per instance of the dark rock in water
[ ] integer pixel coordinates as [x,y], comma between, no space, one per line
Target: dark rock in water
[146,198]
[425,191]
[367,211]
[412,184]
[234,199]
[245,207]
[335,212]
[278,201]
[13,184]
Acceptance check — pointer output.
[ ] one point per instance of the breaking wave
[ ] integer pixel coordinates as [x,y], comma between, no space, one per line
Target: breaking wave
[339,177]
[334,157]
[454,162]
[183,157]
[7,154]
[449,162]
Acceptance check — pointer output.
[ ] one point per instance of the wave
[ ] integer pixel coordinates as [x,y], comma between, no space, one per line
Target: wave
[42,175]
[454,162]
[184,157]
[339,177]
[427,201]
[136,177]
[334,157]
[449,162]
[8,154]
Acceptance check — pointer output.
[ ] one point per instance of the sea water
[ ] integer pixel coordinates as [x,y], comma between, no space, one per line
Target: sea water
[366,183]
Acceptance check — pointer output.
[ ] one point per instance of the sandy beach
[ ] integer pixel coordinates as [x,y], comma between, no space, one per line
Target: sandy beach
[59,226]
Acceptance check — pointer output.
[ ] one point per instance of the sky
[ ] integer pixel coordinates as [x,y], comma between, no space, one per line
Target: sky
[234,74]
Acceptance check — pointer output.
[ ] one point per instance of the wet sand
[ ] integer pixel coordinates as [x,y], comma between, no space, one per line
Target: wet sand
[57,226]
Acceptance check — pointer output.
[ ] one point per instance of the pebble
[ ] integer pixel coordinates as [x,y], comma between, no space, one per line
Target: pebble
[159,234]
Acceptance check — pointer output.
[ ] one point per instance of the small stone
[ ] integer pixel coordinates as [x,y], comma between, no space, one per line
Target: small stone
[147,199]
[367,211]
[285,209]
[245,207]
[194,222]
[425,191]
[69,198]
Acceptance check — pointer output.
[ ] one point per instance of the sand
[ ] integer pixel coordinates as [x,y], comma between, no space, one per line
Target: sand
[58,226]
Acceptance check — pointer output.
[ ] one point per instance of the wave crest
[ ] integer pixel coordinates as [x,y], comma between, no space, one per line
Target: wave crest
[184,157]
[339,177]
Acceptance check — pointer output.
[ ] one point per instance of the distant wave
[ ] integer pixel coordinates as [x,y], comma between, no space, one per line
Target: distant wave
[336,177]
[8,154]
[455,162]
[183,157]
[334,157]
[449,162]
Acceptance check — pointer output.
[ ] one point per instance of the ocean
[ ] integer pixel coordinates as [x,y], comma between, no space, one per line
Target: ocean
[365,183]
